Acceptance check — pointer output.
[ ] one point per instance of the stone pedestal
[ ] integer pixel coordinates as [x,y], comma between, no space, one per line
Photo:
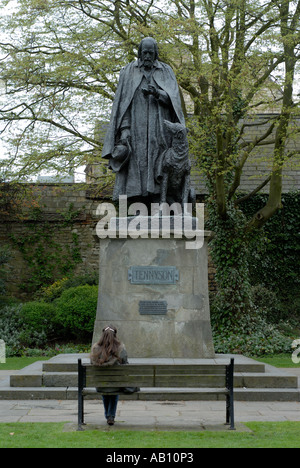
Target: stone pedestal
[155,292]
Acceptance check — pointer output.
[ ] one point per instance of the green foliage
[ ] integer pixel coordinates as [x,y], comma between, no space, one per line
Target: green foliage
[263,330]
[76,309]
[252,335]
[16,334]
[223,54]
[268,259]
[275,260]
[29,328]
[45,257]
[229,251]
[4,258]
[267,302]
[39,316]
[52,292]
[10,324]
[59,55]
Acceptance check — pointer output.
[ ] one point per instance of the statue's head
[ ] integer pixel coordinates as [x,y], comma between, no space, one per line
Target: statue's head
[178,131]
[148,51]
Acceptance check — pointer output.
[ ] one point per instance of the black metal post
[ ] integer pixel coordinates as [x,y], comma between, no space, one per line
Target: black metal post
[231,394]
[80,396]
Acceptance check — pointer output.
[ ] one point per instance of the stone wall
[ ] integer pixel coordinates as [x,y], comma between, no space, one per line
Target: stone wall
[64,228]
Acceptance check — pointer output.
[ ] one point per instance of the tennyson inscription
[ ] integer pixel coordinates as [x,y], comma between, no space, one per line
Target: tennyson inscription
[153,307]
[153,275]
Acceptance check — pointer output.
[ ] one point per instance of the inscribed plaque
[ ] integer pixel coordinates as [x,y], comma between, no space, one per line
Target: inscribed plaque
[153,307]
[153,275]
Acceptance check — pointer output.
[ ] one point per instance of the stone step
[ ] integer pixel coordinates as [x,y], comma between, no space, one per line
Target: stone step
[241,380]
[157,394]
[69,363]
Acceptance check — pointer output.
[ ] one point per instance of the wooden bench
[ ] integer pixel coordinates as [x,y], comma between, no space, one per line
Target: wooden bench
[211,379]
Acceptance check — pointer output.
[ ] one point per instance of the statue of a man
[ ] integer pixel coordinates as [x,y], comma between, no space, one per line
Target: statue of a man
[146,96]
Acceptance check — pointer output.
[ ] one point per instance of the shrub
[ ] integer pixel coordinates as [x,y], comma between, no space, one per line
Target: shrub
[253,336]
[274,262]
[52,292]
[16,333]
[76,310]
[55,290]
[40,317]
[10,325]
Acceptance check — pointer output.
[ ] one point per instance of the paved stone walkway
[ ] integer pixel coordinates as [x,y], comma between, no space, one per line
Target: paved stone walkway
[149,415]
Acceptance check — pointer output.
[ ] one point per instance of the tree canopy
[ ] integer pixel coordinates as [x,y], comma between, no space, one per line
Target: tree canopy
[61,59]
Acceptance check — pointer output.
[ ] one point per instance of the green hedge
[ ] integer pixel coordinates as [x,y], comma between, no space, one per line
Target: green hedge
[76,309]
[39,316]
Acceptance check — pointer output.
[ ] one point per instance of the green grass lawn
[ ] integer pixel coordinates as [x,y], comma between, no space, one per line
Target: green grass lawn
[278,360]
[16,363]
[51,435]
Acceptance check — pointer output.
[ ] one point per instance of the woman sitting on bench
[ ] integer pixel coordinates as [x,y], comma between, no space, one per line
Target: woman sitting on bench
[109,351]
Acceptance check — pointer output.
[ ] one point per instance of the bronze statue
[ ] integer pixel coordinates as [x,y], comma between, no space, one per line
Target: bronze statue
[137,137]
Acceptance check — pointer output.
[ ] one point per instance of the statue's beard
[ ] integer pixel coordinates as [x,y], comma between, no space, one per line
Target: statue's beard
[148,63]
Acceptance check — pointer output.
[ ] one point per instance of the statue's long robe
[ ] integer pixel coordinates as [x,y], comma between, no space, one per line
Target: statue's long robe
[144,115]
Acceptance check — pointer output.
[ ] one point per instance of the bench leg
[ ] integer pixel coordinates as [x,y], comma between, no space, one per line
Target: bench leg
[227,409]
[80,412]
[230,411]
[81,380]
[229,395]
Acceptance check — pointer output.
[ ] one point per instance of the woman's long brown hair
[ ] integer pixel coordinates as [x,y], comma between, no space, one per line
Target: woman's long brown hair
[109,344]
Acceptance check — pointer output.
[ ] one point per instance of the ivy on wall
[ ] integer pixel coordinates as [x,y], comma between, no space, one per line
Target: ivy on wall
[275,261]
[46,258]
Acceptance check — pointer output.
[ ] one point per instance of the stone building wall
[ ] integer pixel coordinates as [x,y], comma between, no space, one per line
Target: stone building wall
[66,219]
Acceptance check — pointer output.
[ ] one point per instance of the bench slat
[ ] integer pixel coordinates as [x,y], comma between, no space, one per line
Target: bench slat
[159,369]
[119,370]
[189,369]
[202,391]
[201,381]
[130,381]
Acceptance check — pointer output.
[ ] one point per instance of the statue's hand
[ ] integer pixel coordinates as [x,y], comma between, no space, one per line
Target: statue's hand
[153,90]
[145,91]
[125,134]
